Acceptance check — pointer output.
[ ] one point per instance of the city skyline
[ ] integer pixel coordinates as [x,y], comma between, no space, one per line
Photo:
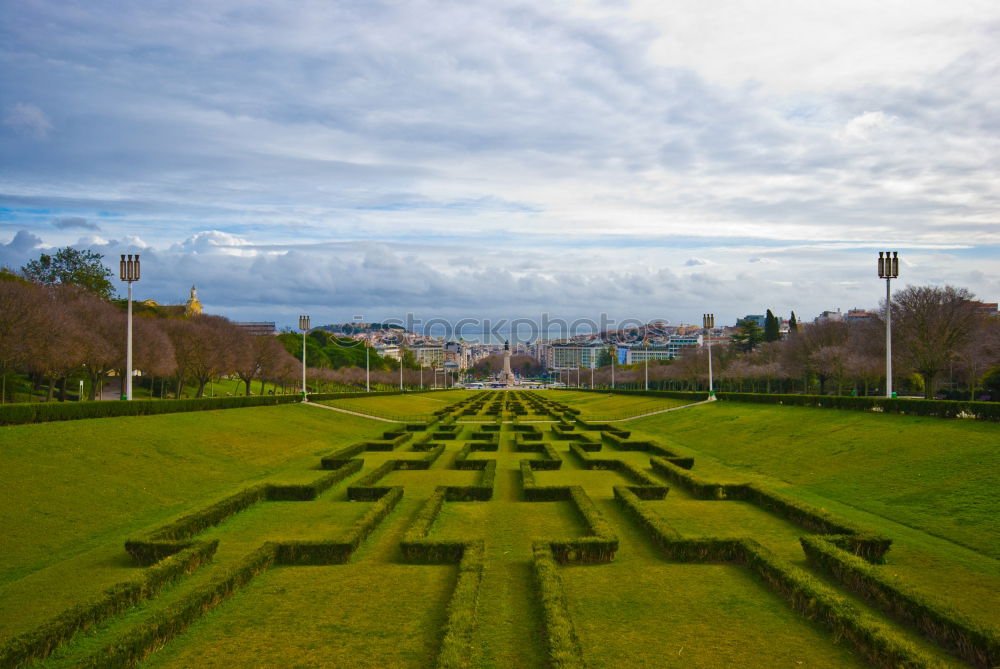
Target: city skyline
[503,159]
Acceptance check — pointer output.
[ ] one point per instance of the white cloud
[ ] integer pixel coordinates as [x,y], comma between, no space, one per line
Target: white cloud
[28,120]
[866,126]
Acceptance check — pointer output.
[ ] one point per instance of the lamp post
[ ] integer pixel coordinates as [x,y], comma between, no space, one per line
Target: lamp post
[647,369]
[400,368]
[708,323]
[368,383]
[129,273]
[888,269]
[614,354]
[304,326]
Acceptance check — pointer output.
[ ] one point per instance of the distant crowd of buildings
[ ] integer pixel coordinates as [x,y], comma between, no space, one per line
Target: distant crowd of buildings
[653,341]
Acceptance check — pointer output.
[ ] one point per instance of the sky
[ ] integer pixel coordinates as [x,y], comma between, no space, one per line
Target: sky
[490,160]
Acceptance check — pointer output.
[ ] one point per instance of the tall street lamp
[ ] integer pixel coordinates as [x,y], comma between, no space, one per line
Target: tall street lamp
[304,326]
[129,273]
[708,323]
[888,269]
[368,382]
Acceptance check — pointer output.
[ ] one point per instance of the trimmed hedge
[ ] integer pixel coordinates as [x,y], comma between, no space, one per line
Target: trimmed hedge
[977,645]
[910,407]
[600,547]
[340,551]
[482,492]
[880,645]
[564,646]
[456,644]
[40,642]
[144,638]
[176,536]
[415,546]
[41,412]
[847,535]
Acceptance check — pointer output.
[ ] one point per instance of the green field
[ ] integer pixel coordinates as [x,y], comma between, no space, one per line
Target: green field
[364,571]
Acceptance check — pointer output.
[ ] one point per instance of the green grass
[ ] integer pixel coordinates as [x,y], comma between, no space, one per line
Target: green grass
[417,406]
[609,406]
[74,490]
[78,489]
[936,475]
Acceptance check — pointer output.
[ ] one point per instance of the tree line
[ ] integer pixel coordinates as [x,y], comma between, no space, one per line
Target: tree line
[60,324]
[941,342]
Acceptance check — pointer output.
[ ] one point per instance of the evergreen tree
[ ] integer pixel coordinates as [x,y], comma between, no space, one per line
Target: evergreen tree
[772,327]
[793,325]
[748,335]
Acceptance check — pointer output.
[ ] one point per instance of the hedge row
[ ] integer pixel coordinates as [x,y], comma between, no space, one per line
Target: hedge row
[144,638]
[910,407]
[644,485]
[879,644]
[40,642]
[604,427]
[481,492]
[564,647]
[456,644]
[41,412]
[299,553]
[175,536]
[462,460]
[851,537]
[600,546]
[977,645]
[537,493]
[416,547]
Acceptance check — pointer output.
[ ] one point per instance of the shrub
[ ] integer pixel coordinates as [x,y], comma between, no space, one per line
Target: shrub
[40,642]
[40,412]
[910,407]
[976,645]
[564,647]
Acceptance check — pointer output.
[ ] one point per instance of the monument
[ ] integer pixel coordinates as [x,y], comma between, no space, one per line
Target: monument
[507,376]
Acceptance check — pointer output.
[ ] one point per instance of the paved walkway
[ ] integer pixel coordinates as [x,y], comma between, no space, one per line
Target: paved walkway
[353,413]
[652,413]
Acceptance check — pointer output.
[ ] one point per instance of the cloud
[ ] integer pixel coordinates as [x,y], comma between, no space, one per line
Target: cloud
[695,262]
[28,120]
[764,261]
[868,125]
[74,222]
[18,250]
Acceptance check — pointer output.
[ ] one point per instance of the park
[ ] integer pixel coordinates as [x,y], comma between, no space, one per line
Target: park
[512,528]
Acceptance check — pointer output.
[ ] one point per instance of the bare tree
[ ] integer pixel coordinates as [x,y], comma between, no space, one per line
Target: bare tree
[931,325]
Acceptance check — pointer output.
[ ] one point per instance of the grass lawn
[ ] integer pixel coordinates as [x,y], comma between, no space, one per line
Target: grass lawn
[609,406]
[416,405]
[939,476]
[75,490]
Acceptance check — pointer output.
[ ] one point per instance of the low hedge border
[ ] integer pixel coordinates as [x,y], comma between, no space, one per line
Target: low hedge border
[417,548]
[299,553]
[644,485]
[858,540]
[977,645]
[40,642]
[135,645]
[648,446]
[176,536]
[879,644]
[564,646]
[604,427]
[456,644]
[911,407]
[42,412]
[481,492]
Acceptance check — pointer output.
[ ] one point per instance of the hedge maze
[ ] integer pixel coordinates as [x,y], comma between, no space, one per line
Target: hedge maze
[507,531]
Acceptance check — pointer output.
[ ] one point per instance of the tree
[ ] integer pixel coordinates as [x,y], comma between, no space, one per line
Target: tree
[772,327]
[604,358]
[793,325]
[748,335]
[931,325]
[70,266]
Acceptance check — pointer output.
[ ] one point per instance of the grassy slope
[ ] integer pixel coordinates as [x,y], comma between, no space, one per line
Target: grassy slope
[601,405]
[421,404]
[935,475]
